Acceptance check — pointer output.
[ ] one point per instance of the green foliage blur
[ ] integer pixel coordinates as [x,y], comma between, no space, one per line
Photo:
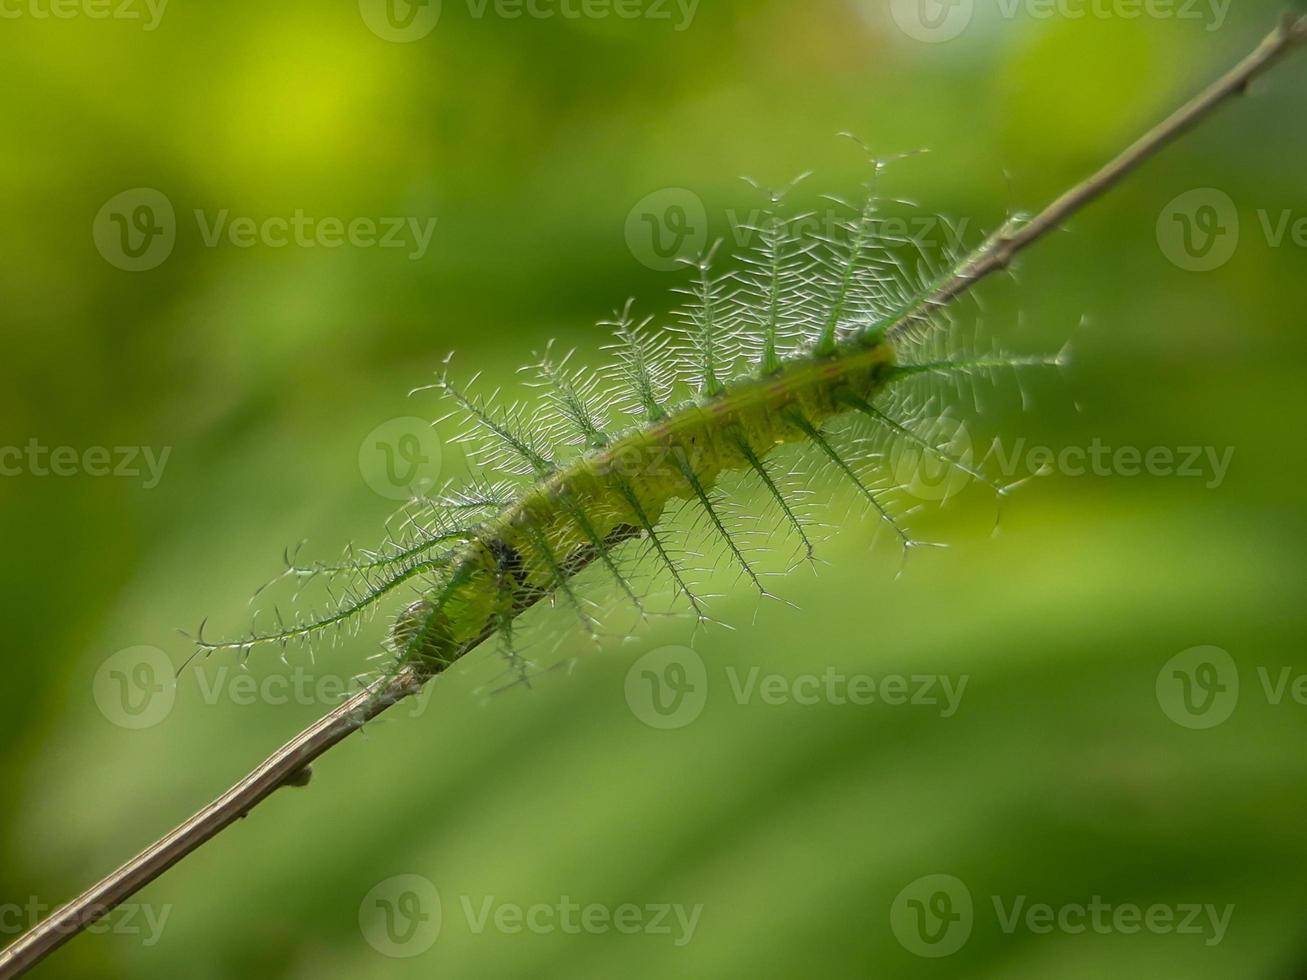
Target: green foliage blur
[801,832]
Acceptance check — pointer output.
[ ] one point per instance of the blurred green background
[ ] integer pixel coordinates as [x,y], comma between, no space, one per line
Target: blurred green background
[1064,776]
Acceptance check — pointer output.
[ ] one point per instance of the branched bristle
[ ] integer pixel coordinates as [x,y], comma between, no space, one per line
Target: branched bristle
[845,266]
[843,465]
[899,429]
[760,467]
[641,366]
[577,396]
[701,494]
[345,611]
[711,350]
[646,524]
[501,435]
[773,300]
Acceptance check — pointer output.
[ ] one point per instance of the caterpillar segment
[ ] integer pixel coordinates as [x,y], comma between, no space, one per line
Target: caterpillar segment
[627,487]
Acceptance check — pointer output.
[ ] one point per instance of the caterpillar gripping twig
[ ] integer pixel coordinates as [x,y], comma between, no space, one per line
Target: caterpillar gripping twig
[811,329]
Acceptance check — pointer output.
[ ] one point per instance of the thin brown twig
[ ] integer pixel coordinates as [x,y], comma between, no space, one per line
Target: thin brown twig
[997,253]
[289,765]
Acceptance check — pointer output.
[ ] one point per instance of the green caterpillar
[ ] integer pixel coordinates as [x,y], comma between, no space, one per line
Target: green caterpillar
[810,329]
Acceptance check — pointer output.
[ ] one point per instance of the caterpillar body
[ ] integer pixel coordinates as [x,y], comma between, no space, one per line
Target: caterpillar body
[811,329]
